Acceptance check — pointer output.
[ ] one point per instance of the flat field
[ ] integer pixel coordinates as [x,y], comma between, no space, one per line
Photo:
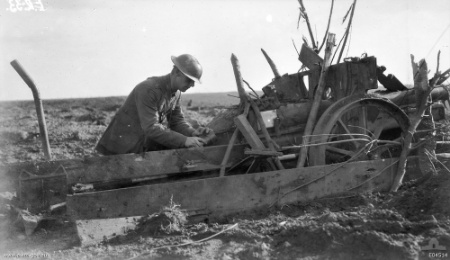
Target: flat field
[367,226]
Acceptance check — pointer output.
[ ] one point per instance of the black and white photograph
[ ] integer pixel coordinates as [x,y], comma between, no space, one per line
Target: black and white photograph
[288,129]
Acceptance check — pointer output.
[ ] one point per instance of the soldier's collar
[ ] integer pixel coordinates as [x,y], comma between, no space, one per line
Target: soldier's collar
[168,82]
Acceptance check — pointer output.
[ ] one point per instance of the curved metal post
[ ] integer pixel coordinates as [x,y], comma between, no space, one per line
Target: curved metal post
[39,108]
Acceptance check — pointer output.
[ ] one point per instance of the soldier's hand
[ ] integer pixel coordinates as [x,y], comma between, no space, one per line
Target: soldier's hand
[194,142]
[202,131]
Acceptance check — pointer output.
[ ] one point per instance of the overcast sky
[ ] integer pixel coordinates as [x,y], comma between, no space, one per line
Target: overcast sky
[94,48]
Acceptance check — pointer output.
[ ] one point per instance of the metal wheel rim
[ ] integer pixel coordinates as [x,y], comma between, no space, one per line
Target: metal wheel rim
[321,154]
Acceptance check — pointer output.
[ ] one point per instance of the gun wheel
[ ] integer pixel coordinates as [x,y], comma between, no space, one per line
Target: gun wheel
[358,128]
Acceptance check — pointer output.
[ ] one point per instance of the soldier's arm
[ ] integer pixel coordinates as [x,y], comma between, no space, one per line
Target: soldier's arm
[147,102]
[177,121]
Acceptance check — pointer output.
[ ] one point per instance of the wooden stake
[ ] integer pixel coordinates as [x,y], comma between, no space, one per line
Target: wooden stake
[317,99]
[328,27]
[245,99]
[305,15]
[271,64]
[347,31]
[422,90]
[238,76]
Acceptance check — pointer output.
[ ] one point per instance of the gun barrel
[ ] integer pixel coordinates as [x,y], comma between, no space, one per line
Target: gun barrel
[407,97]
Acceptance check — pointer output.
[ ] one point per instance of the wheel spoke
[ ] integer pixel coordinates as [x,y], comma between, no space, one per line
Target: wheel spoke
[363,120]
[353,127]
[347,131]
[344,126]
[377,131]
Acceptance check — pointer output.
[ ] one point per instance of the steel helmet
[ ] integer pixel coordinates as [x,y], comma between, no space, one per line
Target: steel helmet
[189,66]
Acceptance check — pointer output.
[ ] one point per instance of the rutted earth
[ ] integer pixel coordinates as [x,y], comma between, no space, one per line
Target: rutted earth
[368,226]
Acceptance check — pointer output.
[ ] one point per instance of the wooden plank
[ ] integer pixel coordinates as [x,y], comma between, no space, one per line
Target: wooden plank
[106,168]
[230,194]
[250,135]
[309,58]
[372,73]
[356,86]
[104,214]
[291,87]
[93,231]
[128,166]
[238,192]
[104,229]
[340,80]
[44,189]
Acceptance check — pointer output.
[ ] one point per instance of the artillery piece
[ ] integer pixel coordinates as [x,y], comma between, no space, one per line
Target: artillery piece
[351,113]
[253,162]
[349,117]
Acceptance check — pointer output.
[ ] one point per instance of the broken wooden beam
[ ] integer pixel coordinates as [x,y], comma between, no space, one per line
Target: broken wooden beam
[222,196]
[231,143]
[270,143]
[317,99]
[45,185]
[305,15]
[154,163]
[328,27]
[228,152]
[309,58]
[422,91]
[347,31]
[249,134]
[390,82]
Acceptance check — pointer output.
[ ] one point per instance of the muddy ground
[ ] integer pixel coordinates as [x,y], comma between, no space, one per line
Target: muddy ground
[367,226]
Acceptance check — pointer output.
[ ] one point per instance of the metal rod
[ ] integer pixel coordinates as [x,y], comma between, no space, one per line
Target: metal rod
[39,108]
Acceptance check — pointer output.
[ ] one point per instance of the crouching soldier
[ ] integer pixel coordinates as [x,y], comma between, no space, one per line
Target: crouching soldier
[151,117]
